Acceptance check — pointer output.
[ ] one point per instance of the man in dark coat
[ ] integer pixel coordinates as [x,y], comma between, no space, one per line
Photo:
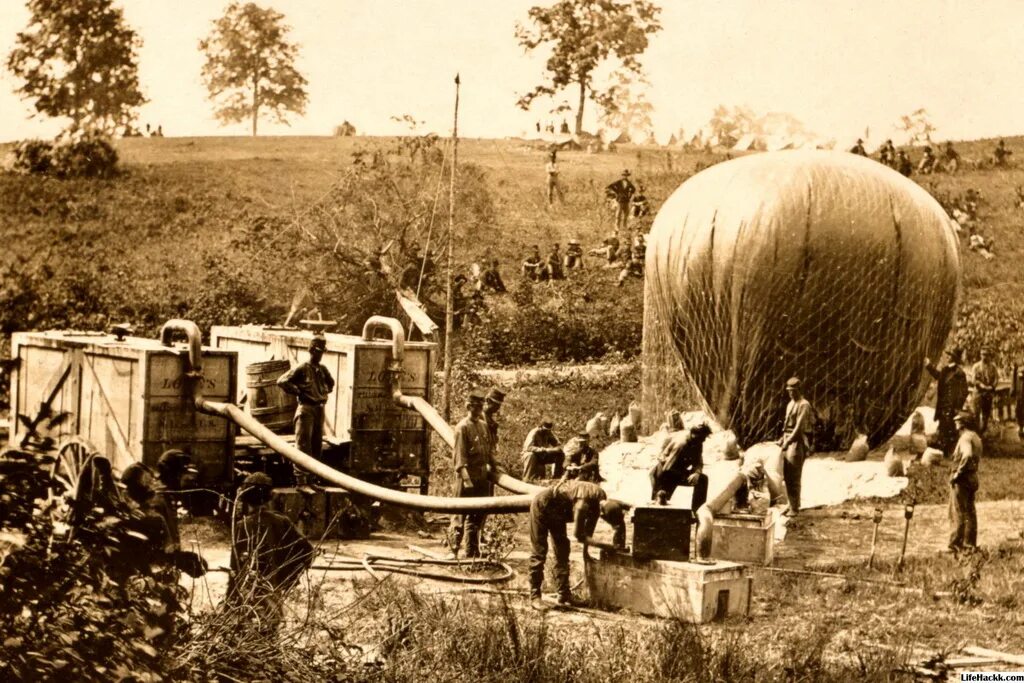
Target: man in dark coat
[951,392]
[963,485]
[580,502]
[621,192]
[680,463]
[312,384]
[268,555]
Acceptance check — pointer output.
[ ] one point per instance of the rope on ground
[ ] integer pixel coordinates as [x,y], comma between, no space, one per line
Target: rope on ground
[405,565]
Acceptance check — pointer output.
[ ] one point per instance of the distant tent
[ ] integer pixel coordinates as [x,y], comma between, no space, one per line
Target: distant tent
[622,138]
[673,141]
[778,142]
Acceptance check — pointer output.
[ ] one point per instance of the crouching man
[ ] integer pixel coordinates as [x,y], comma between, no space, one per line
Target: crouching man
[681,463]
[269,555]
[580,502]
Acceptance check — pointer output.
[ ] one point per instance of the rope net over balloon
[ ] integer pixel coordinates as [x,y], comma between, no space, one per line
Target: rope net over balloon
[822,265]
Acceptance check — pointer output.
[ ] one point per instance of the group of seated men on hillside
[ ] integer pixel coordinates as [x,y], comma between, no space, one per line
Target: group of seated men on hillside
[949,161]
[963,209]
[557,265]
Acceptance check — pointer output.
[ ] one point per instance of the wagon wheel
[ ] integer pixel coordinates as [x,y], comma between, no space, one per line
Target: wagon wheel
[81,479]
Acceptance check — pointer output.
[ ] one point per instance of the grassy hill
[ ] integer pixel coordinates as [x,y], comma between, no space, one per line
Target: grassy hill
[157,242]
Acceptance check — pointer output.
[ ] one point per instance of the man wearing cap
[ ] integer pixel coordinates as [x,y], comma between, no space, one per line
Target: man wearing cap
[681,462]
[986,377]
[582,459]
[963,485]
[621,192]
[170,467]
[474,460]
[951,392]
[540,449]
[311,383]
[268,554]
[580,502]
[797,436]
[574,255]
[492,404]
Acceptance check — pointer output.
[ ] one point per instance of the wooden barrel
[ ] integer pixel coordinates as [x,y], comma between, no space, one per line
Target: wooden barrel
[268,403]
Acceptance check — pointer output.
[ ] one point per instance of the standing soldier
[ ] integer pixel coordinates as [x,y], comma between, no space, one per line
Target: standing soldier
[986,376]
[621,192]
[951,393]
[963,485]
[312,384]
[1001,155]
[553,187]
[797,435]
[474,460]
[580,502]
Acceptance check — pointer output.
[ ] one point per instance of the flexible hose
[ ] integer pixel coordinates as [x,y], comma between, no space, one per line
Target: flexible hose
[403,565]
[518,503]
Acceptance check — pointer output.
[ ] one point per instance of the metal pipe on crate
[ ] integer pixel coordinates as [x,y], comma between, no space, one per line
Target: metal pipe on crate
[195,341]
[519,503]
[421,405]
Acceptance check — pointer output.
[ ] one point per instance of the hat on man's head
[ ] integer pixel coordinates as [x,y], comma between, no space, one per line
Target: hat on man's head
[256,489]
[966,418]
[583,436]
[956,354]
[547,424]
[318,342]
[701,428]
[475,398]
[496,395]
[173,460]
[793,382]
[626,173]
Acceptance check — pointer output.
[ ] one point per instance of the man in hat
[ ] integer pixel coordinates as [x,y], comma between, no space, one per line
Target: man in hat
[609,249]
[950,158]
[580,502]
[858,148]
[887,154]
[311,383]
[796,441]
[986,377]
[574,255]
[490,278]
[540,449]
[582,459]
[492,405]
[927,163]
[621,192]
[963,485]
[268,554]
[552,269]
[171,468]
[951,392]
[1001,155]
[474,460]
[903,164]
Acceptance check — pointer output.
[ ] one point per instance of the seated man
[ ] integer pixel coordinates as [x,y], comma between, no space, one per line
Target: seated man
[927,163]
[541,449]
[582,458]
[533,265]
[681,462]
[609,249]
[490,278]
[574,255]
[553,266]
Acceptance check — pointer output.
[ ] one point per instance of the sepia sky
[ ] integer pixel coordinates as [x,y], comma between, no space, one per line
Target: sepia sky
[838,66]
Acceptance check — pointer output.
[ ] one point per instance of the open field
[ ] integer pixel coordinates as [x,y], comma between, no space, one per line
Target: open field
[168,239]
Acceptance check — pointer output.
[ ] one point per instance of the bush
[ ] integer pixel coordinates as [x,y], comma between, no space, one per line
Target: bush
[345,130]
[90,156]
[87,156]
[33,156]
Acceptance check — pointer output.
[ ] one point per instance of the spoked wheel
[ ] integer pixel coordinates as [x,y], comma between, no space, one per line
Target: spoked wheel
[80,479]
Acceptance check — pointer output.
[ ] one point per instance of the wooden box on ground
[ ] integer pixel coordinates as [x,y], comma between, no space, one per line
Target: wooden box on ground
[744,538]
[696,593]
[661,532]
[321,513]
[130,399]
[381,437]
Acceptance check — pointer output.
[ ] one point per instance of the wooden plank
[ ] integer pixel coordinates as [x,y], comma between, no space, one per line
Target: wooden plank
[109,417]
[50,391]
[1001,656]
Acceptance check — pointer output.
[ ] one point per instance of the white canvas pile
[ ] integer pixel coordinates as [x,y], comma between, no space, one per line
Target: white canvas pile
[826,481]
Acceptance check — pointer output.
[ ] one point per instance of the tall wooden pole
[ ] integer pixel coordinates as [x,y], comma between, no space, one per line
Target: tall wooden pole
[449,314]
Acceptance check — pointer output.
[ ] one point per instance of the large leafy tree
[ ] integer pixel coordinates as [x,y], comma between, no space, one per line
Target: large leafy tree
[583,34]
[79,59]
[250,66]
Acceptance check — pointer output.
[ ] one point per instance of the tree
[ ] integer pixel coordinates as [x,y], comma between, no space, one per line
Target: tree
[79,59]
[728,125]
[631,110]
[918,127]
[583,35]
[250,66]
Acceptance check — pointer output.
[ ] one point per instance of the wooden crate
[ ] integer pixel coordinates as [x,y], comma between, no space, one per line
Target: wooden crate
[382,437]
[129,398]
[692,592]
[744,538]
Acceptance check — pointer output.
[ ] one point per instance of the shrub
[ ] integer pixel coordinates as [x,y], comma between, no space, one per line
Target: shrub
[90,156]
[345,130]
[33,156]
